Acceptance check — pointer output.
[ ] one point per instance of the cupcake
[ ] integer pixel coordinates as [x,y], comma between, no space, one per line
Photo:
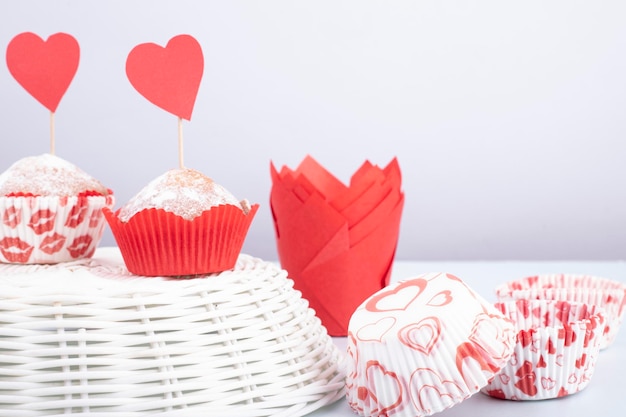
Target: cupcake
[608,294]
[558,343]
[423,345]
[51,211]
[181,224]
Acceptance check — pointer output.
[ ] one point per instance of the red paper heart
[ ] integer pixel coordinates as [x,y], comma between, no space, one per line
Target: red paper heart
[168,77]
[44,68]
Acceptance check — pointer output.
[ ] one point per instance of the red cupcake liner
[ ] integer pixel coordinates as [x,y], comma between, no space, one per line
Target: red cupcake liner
[50,229]
[159,243]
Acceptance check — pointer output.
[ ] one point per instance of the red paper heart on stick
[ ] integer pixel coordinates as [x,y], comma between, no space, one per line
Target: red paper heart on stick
[168,77]
[44,68]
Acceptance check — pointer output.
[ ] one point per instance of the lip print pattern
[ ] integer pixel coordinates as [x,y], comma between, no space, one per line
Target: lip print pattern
[398,298]
[95,218]
[430,393]
[12,217]
[376,331]
[42,221]
[80,246]
[15,250]
[77,215]
[421,336]
[52,229]
[384,400]
[52,244]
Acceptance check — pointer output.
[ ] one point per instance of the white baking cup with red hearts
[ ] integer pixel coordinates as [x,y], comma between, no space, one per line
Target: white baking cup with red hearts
[423,345]
[608,294]
[50,229]
[558,343]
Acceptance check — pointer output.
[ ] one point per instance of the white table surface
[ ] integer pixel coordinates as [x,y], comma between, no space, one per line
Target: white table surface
[604,396]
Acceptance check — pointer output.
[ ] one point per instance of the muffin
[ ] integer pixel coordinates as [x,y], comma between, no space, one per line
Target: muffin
[558,343]
[181,224]
[51,211]
[423,345]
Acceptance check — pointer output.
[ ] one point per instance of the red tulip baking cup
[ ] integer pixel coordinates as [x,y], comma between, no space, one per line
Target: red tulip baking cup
[422,345]
[337,242]
[155,242]
[50,229]
[558,343]
[605,293]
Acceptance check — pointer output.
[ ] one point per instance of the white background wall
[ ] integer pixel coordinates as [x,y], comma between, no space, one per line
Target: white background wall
[508,118]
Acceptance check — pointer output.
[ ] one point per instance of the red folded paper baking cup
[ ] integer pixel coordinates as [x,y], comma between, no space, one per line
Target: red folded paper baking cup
[423,345]
[558,343]
[337,242]
[155,242]
[336,285]
[50,229]
[608,294]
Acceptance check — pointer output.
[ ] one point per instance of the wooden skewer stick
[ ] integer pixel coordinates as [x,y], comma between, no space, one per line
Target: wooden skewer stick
[180,143]
[52,133]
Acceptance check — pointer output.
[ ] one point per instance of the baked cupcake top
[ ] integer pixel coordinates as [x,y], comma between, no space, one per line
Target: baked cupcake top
[48,175]
[184,192]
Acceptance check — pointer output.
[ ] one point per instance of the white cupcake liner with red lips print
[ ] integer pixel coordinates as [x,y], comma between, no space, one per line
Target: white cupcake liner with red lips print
[50,229]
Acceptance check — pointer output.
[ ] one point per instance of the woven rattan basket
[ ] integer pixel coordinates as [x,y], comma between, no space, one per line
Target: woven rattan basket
[88,338]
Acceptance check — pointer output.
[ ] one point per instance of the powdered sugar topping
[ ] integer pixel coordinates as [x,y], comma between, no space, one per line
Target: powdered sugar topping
[184,192]
[47,175]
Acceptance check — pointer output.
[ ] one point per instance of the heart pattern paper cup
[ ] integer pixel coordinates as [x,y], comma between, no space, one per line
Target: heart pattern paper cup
[337,242]
[558,343]
[49,229]
[423,345]
[605,293]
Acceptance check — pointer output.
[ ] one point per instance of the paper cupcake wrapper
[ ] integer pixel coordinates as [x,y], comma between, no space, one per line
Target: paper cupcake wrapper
[423,345]
[158,243]
[337,246]
[607,294]
[50,229]
[558,343]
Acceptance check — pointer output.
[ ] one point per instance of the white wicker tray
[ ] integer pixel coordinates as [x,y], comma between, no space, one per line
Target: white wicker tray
[88,338]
